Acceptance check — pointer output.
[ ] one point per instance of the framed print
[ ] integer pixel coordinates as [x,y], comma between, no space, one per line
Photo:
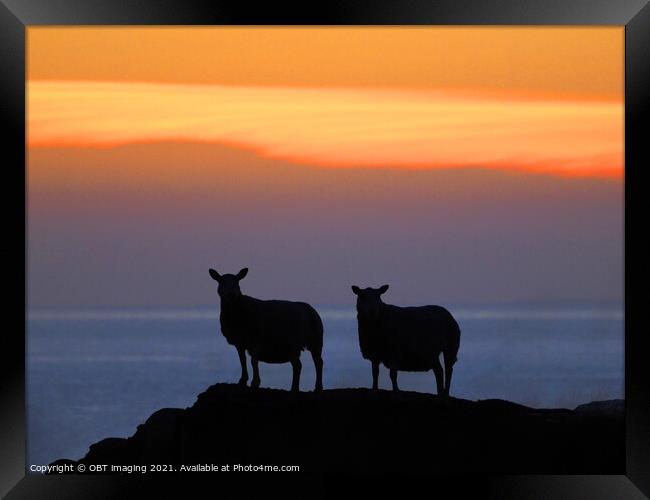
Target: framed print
[353,239]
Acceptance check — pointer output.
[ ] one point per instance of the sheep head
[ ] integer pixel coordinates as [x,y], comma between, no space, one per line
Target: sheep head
[369,299]
[228,288]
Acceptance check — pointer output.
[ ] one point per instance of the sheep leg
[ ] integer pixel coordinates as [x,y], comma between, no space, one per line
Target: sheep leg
[393,378]
[244,371]
[318,364]
[437,371]
[255,383]
[375,375]
[297,366]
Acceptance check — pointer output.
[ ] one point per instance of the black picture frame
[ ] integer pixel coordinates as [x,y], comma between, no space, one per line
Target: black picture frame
[17,15]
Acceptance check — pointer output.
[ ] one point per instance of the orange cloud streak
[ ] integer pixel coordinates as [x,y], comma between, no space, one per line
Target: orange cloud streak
[335,127]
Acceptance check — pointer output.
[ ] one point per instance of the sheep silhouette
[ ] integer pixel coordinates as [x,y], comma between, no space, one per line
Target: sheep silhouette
[406,338]
[272,331]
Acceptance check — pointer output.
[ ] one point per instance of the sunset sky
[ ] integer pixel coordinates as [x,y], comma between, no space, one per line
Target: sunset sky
[462,164]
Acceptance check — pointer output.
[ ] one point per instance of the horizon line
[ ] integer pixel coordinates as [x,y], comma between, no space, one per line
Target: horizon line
[326,312]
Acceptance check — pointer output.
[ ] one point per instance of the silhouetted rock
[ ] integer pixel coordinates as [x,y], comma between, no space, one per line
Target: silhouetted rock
[609,407]
[365,431]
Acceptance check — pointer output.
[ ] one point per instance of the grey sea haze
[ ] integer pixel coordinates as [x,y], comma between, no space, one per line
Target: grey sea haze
[96,373]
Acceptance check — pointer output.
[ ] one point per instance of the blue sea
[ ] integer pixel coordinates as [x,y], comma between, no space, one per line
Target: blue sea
[92,374]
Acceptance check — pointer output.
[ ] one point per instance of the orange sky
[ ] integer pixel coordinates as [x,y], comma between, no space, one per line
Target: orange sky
[456,164]
[533,99]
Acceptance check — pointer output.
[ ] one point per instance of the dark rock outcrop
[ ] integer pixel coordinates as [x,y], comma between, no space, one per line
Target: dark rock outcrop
[613,407]
[361,431]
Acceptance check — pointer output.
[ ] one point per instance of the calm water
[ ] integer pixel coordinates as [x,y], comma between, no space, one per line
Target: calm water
[95,374]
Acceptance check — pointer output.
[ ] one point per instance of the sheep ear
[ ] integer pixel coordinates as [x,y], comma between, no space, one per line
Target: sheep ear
[242,274]
[214,274]
[355,289]
[383,289]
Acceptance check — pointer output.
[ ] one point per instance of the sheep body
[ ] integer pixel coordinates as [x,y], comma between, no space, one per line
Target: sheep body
[272,331]
[408,338]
